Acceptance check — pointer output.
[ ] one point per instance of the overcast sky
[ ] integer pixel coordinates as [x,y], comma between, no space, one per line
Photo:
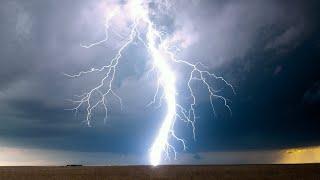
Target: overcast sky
[268,50]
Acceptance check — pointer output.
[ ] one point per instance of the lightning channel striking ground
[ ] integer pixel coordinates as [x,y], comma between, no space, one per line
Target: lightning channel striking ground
[159,47]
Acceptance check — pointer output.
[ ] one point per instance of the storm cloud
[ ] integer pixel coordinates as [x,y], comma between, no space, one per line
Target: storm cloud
[267,49]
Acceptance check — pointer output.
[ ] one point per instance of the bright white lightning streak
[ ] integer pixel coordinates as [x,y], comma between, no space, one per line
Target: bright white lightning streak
[167,81]
[161,55]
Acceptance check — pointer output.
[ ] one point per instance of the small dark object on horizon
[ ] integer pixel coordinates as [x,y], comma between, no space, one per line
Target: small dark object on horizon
[74,165]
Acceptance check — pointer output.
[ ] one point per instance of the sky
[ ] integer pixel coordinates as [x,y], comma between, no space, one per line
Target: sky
[268,51]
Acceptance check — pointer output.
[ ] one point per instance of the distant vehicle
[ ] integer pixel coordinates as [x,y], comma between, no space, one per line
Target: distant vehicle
[74,165]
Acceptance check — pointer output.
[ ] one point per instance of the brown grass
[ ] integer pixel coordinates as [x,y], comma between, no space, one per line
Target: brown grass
[282,172]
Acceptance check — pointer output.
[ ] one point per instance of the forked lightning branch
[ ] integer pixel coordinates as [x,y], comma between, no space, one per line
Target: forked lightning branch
[164,61]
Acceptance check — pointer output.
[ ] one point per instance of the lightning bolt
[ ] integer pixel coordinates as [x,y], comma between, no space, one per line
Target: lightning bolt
[162,56]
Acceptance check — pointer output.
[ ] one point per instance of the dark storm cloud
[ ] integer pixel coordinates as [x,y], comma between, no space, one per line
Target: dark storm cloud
[312,95]
[245,41]
[238,28]
[272,111]
[15,28]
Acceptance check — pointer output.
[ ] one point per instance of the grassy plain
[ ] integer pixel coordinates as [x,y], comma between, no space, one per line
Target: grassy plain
[281,172]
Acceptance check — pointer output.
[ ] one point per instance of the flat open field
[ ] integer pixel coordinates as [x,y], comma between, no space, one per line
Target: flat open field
[305,171]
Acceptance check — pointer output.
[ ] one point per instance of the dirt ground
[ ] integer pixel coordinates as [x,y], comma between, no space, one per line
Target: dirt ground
[283,172]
